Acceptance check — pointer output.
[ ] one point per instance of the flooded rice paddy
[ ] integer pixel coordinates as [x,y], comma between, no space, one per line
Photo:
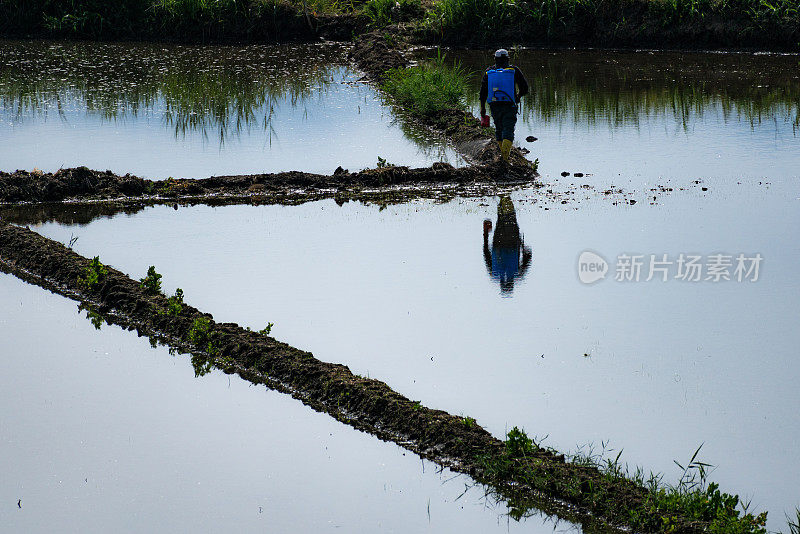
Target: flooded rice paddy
[192,112]
[99,432]
[426,297]
[630,118]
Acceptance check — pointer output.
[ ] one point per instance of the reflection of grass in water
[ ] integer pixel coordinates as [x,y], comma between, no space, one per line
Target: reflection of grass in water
[225,90]
[623,88]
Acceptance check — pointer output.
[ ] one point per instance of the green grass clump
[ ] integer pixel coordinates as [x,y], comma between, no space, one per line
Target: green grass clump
[93,274]
[429,88]
[642,504]
[174,304]
[152,282]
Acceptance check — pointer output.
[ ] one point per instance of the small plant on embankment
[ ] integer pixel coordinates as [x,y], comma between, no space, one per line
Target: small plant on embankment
[429,88]
[266,330]
[152,282]
[174,304]
[93,274]
[619,497]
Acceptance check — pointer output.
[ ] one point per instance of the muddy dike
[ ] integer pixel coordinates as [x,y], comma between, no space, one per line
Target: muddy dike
[83,184]
[376,55]
[516,470]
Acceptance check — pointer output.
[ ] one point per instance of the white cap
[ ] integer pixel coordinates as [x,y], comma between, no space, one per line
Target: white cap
[501,53]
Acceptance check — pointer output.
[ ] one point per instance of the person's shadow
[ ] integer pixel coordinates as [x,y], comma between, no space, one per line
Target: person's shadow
[508,259]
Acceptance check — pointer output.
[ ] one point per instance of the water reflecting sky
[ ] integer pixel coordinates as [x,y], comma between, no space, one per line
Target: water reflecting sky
[408,294]
[631,118]
[101,433]
[181,111]
[402,294]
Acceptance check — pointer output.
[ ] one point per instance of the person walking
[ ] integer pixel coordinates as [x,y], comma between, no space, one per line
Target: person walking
[502,87]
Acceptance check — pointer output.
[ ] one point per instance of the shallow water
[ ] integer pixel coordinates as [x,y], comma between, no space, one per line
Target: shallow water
[408,294]
[193,112]
[404,295]
[631,118]
[99,432]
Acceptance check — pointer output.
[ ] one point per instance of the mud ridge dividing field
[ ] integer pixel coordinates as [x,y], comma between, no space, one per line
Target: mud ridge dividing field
[516,470]
[83,184]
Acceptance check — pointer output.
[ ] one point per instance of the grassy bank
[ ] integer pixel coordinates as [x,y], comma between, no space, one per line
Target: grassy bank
[762,24]
[189,20]
[653,23]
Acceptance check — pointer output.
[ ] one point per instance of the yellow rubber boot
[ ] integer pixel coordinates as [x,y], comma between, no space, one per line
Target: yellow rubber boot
[505,149]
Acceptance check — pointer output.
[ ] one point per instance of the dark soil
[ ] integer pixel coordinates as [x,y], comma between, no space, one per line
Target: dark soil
[82,183]
[366,404]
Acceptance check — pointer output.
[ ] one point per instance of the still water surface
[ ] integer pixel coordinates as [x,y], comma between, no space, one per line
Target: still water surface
[191,111]
[101,433]
[631,118]
[409,295]
[405,295]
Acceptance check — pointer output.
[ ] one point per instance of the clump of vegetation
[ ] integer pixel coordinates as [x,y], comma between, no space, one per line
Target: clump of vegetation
[482,19]
[175,304]
[429,88]
[93,274]
[469,422]
[266,330]
[644,504]
[384,12]
[152,282]
[200,335]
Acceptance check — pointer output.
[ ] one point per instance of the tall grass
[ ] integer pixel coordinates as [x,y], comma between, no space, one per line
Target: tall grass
[429,88]
[159,19]
[683,22]
[484,19]
[384,12]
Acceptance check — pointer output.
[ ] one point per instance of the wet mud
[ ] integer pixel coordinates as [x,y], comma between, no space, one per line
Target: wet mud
[529,477]
[85,184]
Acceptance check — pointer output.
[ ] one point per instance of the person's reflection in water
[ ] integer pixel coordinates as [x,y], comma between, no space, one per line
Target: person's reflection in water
[509,258]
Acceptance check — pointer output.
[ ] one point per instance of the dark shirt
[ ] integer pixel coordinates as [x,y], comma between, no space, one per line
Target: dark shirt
[519,81]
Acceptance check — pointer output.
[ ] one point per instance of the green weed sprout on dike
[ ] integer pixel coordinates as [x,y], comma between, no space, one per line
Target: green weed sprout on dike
[93,274]
[429,88]
[642,503]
